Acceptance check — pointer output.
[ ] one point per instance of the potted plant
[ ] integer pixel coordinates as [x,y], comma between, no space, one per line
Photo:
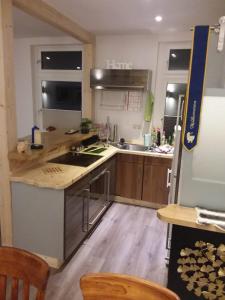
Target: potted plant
[85,125]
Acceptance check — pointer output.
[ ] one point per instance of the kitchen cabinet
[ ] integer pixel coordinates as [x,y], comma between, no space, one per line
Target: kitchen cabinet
[54,222]
[129,175]
[143,178]
[155,174]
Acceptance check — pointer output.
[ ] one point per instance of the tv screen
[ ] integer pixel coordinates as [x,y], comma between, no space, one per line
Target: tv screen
[62,95]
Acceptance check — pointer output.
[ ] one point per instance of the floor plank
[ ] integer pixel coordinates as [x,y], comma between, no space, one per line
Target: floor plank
[129,240]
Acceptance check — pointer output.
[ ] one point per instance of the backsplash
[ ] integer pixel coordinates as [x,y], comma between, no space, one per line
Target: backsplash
[127,111]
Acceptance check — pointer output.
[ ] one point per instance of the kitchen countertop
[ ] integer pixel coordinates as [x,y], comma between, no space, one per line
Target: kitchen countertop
[52,141]
[59,176]
[183,216]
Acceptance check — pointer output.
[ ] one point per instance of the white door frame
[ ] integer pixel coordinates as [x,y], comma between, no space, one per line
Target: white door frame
[57,75]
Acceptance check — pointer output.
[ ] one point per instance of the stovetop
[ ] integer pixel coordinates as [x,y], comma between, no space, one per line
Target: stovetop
[76,159]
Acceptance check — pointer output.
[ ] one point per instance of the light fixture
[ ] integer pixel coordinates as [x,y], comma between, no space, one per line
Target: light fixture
[47,57]
[98,74]
[171,87]
[173,55]
[78,68]
[99,87]
[158,18]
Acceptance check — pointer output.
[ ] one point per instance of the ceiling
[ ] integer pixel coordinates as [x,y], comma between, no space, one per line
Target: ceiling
[128,16]
[27,26]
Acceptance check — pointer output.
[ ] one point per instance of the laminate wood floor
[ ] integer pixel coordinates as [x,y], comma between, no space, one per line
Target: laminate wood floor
[129,240]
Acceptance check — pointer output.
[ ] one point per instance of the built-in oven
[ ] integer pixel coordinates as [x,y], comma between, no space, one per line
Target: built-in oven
[98,197]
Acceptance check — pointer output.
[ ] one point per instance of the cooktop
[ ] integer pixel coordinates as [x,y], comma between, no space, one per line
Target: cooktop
[76,159]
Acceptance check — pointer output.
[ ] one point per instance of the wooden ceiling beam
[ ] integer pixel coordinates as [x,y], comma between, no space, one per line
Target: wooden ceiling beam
[50,15]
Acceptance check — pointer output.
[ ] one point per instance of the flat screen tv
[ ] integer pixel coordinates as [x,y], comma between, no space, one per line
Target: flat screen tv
[61,95]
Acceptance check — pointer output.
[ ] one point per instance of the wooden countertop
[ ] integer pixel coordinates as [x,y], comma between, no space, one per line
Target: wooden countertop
[183,216]
[51,141]
[59,176]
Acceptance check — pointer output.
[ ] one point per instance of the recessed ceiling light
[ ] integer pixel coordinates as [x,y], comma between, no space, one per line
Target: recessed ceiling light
[158,18]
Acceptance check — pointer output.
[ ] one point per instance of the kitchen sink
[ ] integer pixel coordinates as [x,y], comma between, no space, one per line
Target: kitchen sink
[132,147]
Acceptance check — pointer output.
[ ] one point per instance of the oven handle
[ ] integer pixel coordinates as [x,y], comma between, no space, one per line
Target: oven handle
[98,215]
[86,192]
[98,176]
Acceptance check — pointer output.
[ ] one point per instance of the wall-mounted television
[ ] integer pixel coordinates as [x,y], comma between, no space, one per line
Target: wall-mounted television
[61,95]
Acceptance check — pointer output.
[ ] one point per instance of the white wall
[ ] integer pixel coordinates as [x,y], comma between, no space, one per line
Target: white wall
[23,78]
[142,52]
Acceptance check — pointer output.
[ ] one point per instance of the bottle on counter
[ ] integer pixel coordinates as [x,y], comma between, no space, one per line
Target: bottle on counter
[34,128]
[154,137]
[158,137]
[163,138]
[37,137]
[147,139]
[108,129]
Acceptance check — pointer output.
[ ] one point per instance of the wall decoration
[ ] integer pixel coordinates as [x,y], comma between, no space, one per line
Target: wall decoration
[112,64]
[194,96]
[202,268]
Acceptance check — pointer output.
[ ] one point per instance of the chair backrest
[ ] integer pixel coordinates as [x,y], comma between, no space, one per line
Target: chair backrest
[18,265]
[110,286]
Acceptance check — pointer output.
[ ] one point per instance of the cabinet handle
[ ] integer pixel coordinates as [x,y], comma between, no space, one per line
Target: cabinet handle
[168,237]
[168,179]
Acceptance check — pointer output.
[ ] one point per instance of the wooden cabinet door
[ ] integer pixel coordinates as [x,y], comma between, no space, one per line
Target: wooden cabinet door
[155,180]
[129,175]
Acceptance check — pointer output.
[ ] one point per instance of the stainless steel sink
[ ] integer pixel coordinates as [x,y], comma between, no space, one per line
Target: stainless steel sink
[132,147]
[135,147]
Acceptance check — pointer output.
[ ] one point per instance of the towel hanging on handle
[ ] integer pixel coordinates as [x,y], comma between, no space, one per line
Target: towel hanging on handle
[149,106]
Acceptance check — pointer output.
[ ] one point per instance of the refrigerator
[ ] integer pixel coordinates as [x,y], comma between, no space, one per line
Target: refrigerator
[199,174]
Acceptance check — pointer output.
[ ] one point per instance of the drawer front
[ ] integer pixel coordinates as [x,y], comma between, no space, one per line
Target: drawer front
[130,158]
[157,161]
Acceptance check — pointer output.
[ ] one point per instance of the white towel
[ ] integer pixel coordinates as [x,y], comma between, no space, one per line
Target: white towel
[210,217]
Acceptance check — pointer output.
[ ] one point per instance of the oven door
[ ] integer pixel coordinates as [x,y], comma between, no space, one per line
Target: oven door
[98,196]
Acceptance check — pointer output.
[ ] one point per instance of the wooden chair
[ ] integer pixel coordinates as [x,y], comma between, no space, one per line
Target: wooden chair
[109,286]
[19,265]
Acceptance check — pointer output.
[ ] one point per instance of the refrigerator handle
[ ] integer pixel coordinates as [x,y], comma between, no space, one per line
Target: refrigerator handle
[168,179]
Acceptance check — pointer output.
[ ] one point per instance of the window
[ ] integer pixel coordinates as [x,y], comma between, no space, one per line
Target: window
[179,59]
[62,95]
[61,60]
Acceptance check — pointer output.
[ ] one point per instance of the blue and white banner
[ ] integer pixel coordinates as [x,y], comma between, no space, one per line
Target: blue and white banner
[195,88]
